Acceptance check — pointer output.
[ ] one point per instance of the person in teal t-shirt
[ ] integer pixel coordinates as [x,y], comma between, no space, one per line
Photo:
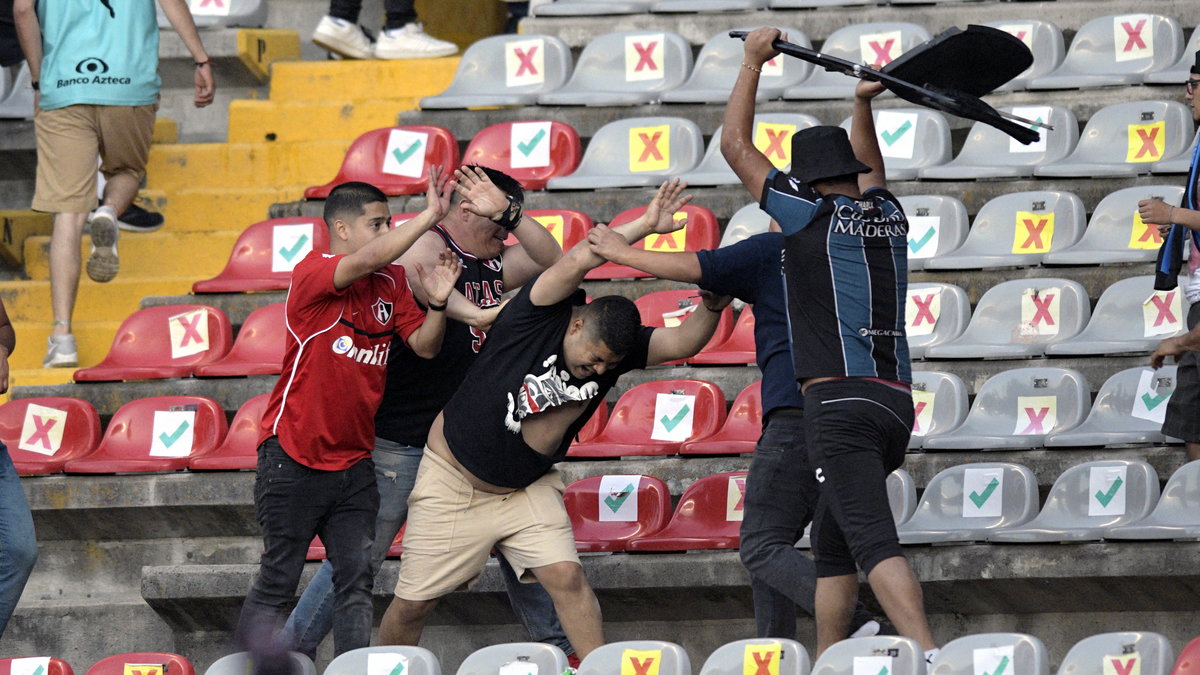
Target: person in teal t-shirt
[94,65]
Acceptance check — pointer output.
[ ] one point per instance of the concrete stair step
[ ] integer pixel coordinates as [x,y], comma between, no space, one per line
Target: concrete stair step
[233,166]
[291,121]
[217,209]
[360,80]
[82,630]
[241,56]
[92,338]
[196,255]
[29,301]
[237,306]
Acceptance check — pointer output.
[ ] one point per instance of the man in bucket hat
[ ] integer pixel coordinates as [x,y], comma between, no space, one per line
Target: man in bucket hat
[845,270]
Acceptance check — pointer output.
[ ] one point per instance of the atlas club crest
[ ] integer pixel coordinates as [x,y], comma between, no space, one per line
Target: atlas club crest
[382,311]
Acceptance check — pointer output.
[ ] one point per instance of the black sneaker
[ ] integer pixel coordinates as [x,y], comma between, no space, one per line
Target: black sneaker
[137,219]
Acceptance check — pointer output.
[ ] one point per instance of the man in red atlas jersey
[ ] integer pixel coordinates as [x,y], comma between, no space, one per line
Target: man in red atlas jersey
[315,474]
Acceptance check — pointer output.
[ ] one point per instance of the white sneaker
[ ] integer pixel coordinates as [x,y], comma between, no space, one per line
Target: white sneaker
[103,264]
[411,42]
[61,353]
[868,629]
[343,38]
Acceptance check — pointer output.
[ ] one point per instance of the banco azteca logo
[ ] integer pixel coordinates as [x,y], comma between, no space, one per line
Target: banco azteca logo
[91,66]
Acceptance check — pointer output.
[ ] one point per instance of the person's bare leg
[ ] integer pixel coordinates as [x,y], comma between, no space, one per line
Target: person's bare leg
[899,592]
[120,191]
[1193,451]
[65,263]
[404,620]
[834,602]
[576,604]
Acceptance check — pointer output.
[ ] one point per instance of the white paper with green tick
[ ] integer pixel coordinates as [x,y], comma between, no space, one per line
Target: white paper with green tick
[33,665]
[173,433]
[1148,402]
[387,664]
[872,665]
[405,154]
[673,415]
[289,245]
[519,668]
[618,499]
[1106,491]
[994,661]
[983,491]
[529,144]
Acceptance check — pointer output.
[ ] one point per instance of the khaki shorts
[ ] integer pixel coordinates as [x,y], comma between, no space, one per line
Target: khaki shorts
[71,140]
[452,528]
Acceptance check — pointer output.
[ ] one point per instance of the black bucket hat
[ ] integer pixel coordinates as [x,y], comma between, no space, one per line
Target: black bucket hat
[823,152]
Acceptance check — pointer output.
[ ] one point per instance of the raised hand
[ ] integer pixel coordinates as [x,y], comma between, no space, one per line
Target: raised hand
[759,45]
[1155,212]
[437,194]
[439,282]
[604,242]
[660,212]
[480,195]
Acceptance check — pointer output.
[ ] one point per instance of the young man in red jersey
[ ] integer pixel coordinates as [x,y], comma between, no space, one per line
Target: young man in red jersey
[315,474]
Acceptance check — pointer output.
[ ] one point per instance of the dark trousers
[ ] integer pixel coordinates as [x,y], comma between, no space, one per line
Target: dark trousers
[399,12]
[293,503]
[781,493]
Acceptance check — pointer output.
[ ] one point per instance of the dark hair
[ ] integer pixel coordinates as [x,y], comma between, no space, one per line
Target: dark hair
[505,182]
[346,201]
[614,321]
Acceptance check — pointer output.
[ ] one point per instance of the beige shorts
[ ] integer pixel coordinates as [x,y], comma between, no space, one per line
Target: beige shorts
[452,528]
[71,140]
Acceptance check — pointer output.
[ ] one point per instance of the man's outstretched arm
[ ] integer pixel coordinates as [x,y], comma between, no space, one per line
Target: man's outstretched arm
[863,138]
[610,245]
[737,140]
[684,340]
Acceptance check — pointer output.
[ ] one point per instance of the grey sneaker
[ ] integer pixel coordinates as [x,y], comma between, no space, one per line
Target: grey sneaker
[103,264]
[62,352]
[344,39]
[411,42]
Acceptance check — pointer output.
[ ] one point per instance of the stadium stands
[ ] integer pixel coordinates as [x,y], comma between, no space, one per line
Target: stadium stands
[1116,233]
[718,64]
[265,253]
[1024,653]
[876,44]
[1017,229]
[531,152]
[1118,49]
[1174,517]
[900,655]
[772,133]
[1129,408]
[778,656]
[239,449]
[639,151]
[990,153]
[638,656]
[1045,41]
[627,68]
[656,418]
[910,139]
[700,232]
[405,659]
[709,516]
[156,434]
[1125,139]
[240,663]
[30,665]
[935,314]
[608,511]
[965,503]
[937,224]
[741,429]
[43,434]
[1019,318]
[506,70]
[1149,652]
[142,663]
[160,342]
[939,405]
[258,349]
[395,160]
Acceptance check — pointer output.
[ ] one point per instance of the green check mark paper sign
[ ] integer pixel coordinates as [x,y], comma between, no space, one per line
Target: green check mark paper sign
[897,133]
[405,155]
[618,499]
[387,664]
[994,661]
[529,145]
[172,433]
[983,491]
[673,415]
[1152,395]
[289,245]
[873,665]
[518,668]
[32,665]
[923,236]
[1106,491]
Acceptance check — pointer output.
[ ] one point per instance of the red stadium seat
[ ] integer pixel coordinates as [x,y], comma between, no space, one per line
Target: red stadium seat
[29,665]
[394,159]
[632,421]
[701,232]
[265,253]
[669,308]
[741,430]
[159,342]
[586,500]
[42,434]
[709,516]
[156,434]
[568,227]
[1188,662]
[239,450]
[531,152]
[143,663]
[594,425]
[259,347]
[738,348]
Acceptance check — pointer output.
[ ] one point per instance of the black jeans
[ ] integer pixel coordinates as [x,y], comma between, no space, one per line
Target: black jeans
[292,503]
[781,493]
[398,12]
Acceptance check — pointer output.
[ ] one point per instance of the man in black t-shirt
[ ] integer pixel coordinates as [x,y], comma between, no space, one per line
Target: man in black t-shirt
[487,477]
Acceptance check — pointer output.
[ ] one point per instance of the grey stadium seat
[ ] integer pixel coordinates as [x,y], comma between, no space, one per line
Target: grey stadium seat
[506,70]
[900,655]
[1088,656]
[868,43]
[1177,514]
[745,223]
[966,502]
[662,147]
[1130,317]
[1017,230]
[1027,655]
[416,661]
[1085,501]
[240,664]
[991,153]
[1116,234]
[626,68]
[16,92]
[717,67]
[1179,163]
[935,313]
[1016,409]
[592,7]
[1126,139]
[1017,319]
[1045,41]
[545,657]
[772,134]
[910,140]
[937,224]
[1116,49]
[1179,71]
[756,654]
[607,659]
[1129,408]
[690,6]
[804,4]
[939,403]
[221,14]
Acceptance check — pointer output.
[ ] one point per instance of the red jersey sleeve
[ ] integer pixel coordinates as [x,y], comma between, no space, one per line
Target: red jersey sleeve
[407,315]
[312,287]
